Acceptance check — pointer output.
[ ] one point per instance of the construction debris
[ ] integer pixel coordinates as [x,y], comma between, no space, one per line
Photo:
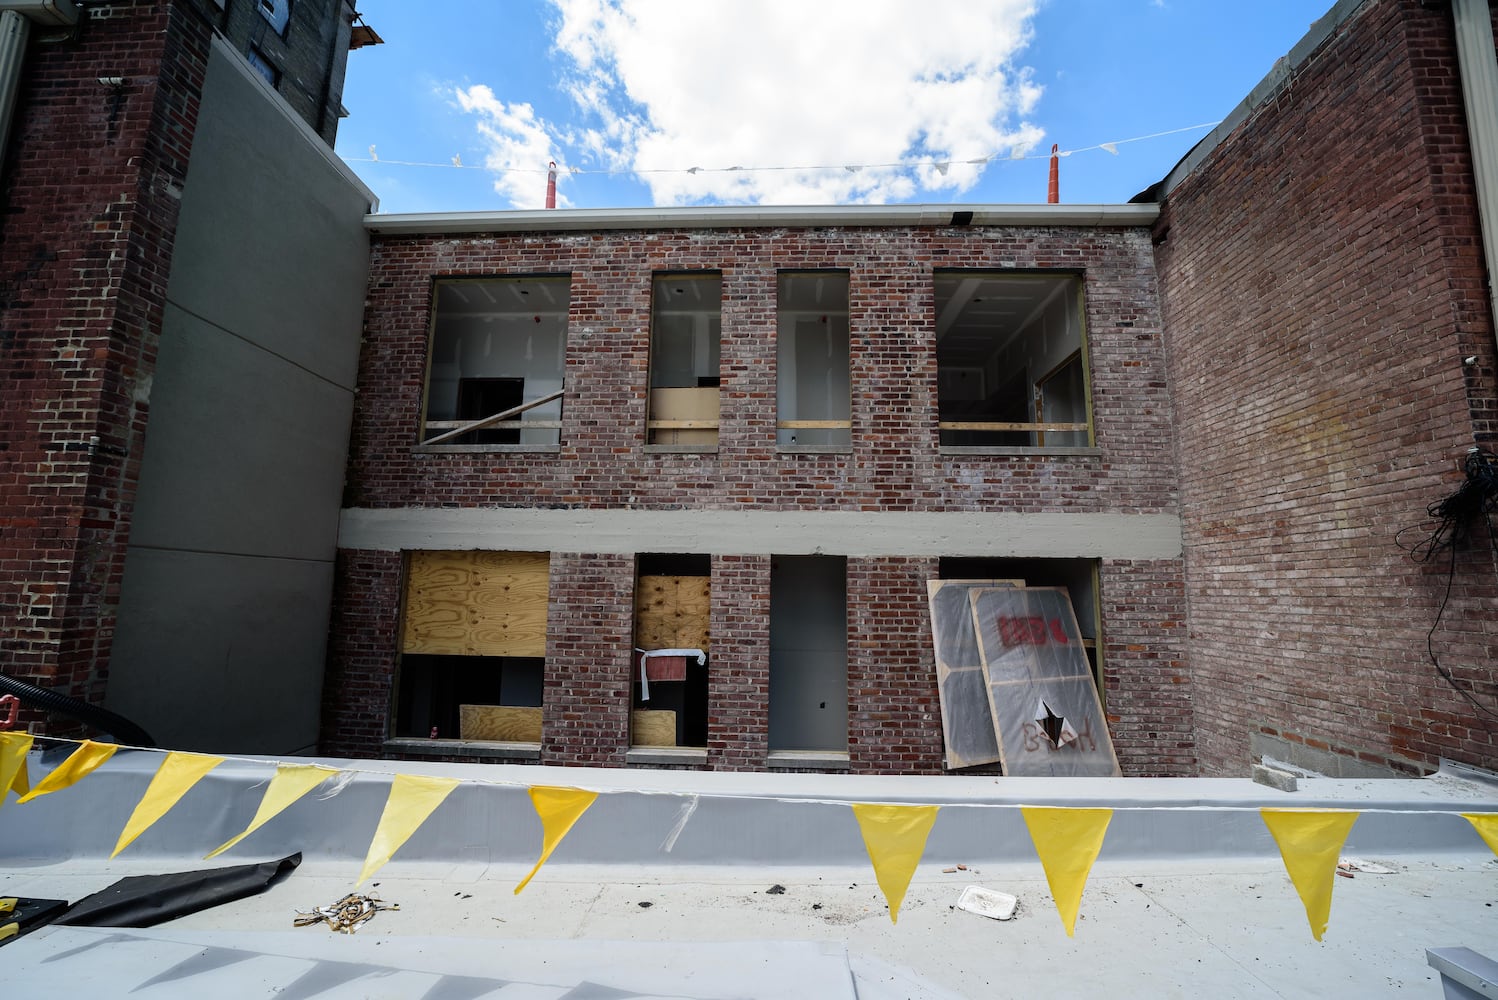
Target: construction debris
[346,915]
[988,902]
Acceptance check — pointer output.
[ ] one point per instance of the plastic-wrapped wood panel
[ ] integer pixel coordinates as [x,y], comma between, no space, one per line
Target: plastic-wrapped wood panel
[1041,692]
[476,603]
[672,612]
[961,686]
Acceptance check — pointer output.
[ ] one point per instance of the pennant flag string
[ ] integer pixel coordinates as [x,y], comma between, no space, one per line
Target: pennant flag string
[291,782]
[385,774]
[895,837]
[178,773]
[81,763]
[940,165]
[558,809]
[412,799]
[1310,841]
[1068,842]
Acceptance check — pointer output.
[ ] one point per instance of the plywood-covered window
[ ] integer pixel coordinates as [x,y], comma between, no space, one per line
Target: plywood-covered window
[813,399]
[809,653]
[686,328]
[1011,356]
[498,350]
[673,604]
[473,646]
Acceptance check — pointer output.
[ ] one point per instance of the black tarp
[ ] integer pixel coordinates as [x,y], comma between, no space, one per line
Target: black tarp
[147,900]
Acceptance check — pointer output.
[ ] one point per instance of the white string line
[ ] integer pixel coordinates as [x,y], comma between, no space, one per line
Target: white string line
[939,164]
[793,800]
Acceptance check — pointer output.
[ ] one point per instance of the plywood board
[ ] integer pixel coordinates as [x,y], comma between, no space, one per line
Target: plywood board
[966,717]
[476,603]
[499,722]
[697,405]
[672,612]
[652,728]
[1044,701]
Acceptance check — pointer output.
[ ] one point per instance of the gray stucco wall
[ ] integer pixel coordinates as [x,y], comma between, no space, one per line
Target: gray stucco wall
[228,577]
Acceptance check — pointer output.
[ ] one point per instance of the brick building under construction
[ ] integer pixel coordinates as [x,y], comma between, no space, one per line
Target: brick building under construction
[243,502]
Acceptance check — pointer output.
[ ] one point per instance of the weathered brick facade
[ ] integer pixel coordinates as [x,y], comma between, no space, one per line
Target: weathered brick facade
[90,195]
[894,465]
[1322,283]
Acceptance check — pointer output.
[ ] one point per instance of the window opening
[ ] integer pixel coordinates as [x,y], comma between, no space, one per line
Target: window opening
[277,12]
[672,616]
[473,646]
[685,334]
[813,399]
[498,351]
[1011,359]
[262,65]
[809,653]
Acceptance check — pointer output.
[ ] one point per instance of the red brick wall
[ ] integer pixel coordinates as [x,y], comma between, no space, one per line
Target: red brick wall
[894,724]
[589,635]
[1321,281]
[894,717]
[1147,691]
[738,735]
[89,195]
[362,650]
[894,464]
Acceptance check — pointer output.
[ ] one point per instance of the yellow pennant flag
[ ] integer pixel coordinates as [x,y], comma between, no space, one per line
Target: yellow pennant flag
[1310,841]
[558,808]
[80,764]
[13,750]
[412,799]
[290,783]
[1068,842]
[895,837]
[1486,825]
[178,772]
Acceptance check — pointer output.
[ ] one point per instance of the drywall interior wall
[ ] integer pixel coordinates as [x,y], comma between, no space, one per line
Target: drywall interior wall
[809,653]
[228,577]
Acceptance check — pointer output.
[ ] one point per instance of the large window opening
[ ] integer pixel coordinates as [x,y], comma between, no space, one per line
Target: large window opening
[813,401]
[1011,360]
[473,646]
[499,347]
[673,609]
[809,653]
[686,329]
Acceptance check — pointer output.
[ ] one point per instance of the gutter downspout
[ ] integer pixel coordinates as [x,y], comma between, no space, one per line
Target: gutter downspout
[1478,67]
[14,32]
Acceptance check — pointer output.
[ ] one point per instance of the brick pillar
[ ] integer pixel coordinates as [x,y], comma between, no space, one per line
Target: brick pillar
[1147,680]
[363,642]
[738,687]
[894,717]
[589,636]
[88,211]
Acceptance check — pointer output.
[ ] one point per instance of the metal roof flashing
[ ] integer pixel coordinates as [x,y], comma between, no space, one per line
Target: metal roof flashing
[757,217]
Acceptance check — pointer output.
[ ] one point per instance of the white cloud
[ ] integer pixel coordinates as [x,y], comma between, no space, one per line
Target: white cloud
[789,83]
[516,142]
[661,86]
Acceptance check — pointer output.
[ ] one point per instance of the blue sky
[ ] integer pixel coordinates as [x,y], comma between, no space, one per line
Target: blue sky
[814,101]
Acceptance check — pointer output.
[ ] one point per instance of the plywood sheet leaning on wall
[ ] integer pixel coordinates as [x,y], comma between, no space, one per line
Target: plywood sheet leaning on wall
[1045,705]
[476,603]
[966,718]
[672,612]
